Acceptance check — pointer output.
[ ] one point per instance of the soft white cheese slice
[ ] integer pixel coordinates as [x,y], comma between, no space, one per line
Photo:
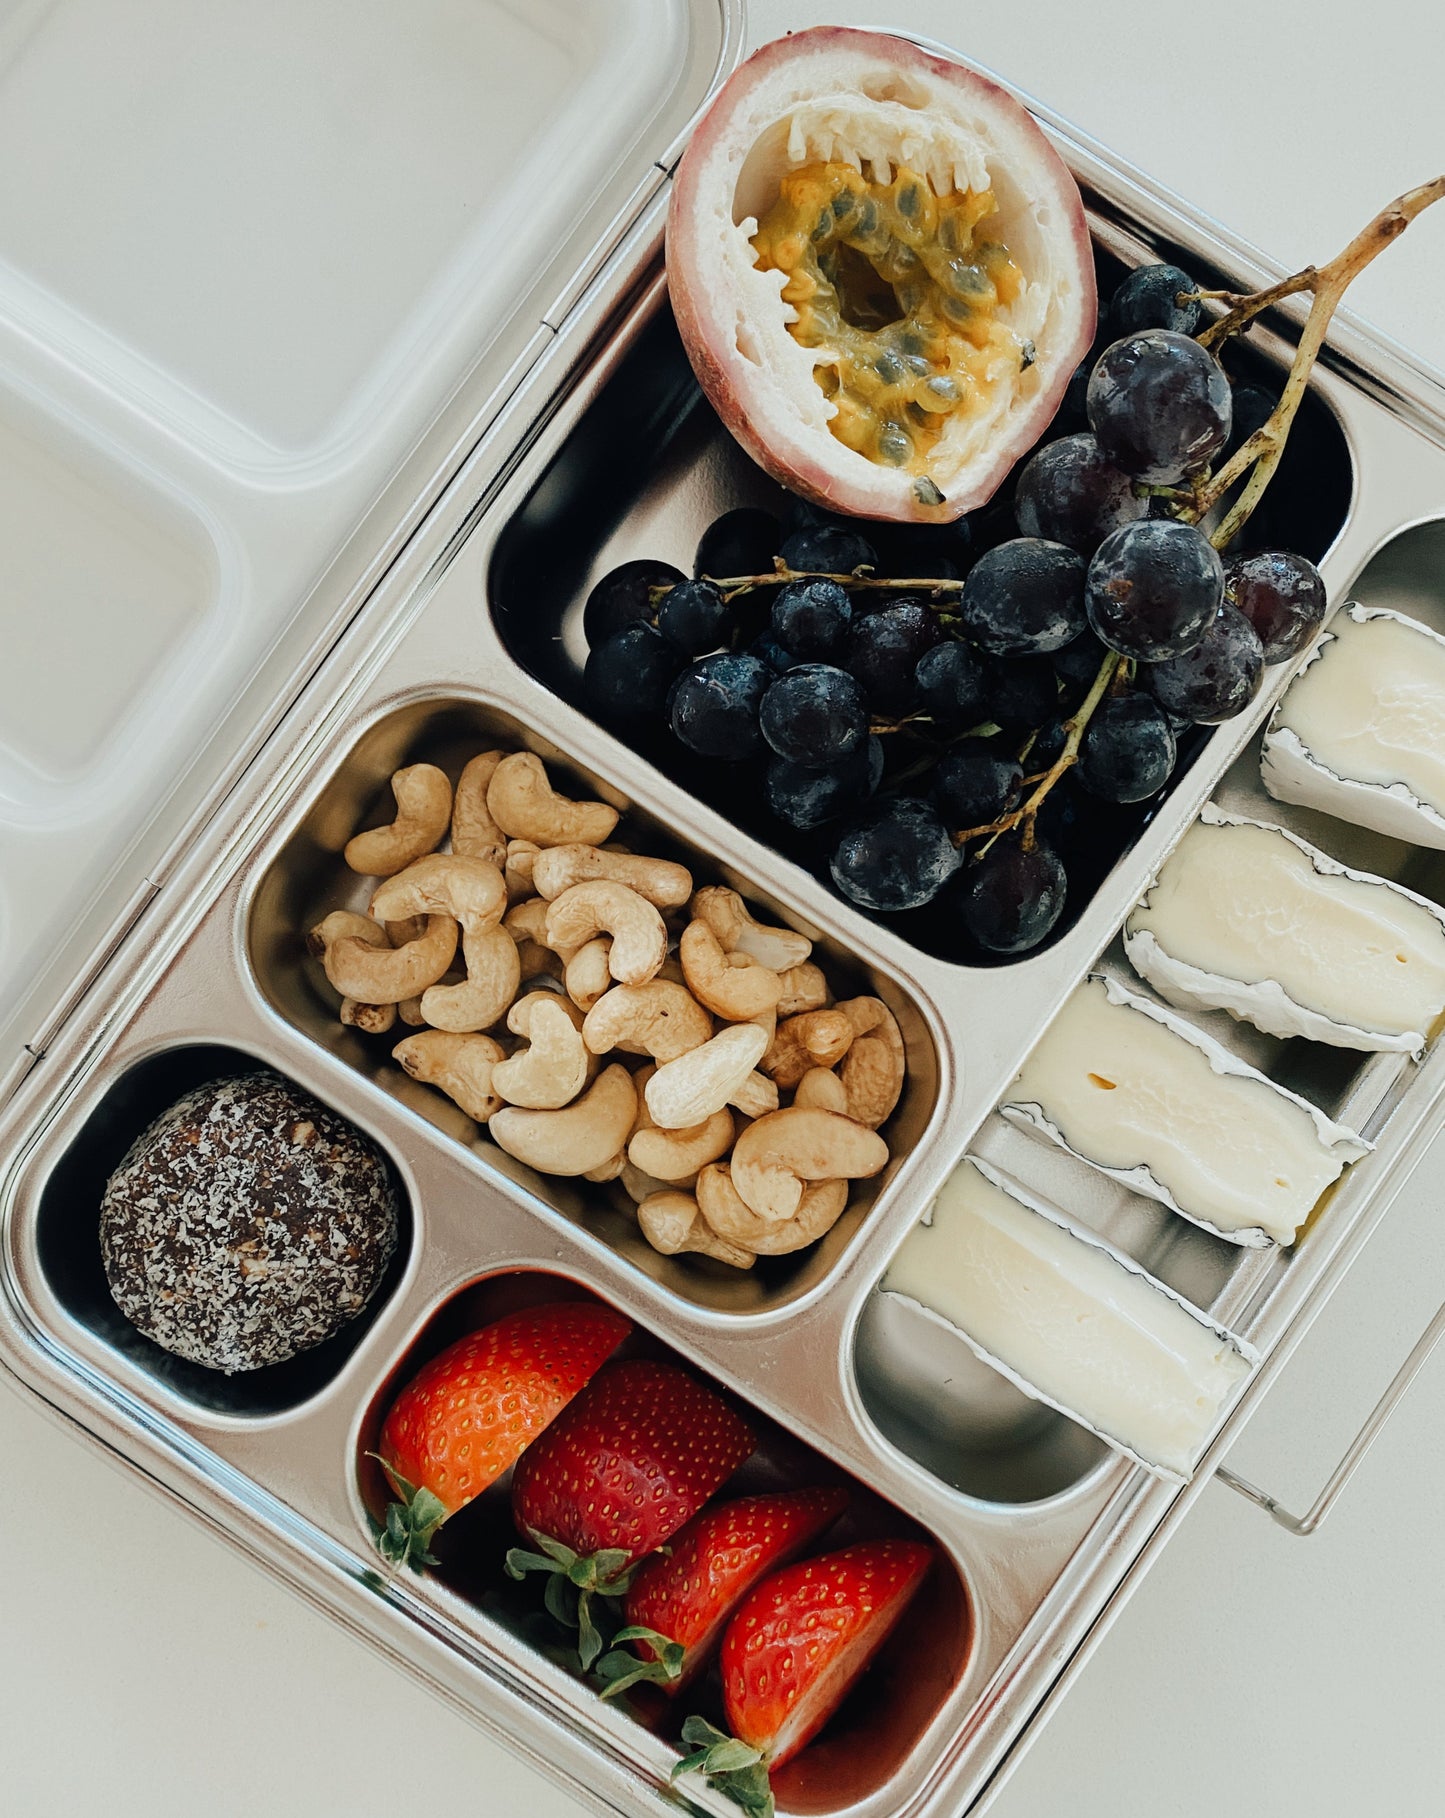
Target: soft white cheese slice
[1071,1320]
[1248,918]
[1360,732]
[1164,1109]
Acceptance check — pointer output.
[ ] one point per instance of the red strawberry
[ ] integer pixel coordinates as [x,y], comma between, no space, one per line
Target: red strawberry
[616,1477]
[471,1412]
[792,1653]
[678,1604]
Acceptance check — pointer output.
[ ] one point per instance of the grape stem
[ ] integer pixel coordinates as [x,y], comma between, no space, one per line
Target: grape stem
[744,583]
[1327,285]
[1074,730]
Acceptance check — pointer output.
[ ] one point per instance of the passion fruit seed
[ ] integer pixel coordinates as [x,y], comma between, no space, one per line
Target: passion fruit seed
[900,288]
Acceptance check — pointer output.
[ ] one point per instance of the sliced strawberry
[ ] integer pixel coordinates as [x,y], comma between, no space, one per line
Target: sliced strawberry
[469,1414]
[679,1603]
[792,1653]
[615,1478]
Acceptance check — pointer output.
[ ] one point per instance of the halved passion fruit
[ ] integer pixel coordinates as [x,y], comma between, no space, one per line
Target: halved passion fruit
[881,272]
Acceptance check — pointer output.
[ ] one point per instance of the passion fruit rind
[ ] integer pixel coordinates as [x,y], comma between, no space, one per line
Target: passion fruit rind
[969,219]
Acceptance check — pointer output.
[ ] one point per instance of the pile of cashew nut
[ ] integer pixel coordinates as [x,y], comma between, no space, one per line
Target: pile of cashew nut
[608,1020]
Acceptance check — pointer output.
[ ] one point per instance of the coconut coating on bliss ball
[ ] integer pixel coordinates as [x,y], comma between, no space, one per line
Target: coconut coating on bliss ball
[247,1224]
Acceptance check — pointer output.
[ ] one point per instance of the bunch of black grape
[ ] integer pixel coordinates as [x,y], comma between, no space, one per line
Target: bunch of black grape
[921,722]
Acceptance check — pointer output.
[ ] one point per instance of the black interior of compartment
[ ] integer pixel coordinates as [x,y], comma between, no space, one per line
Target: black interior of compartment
[866,1742]
[650,435]
[68,1239]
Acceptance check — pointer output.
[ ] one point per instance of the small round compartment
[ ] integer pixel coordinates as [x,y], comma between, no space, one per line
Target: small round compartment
[67,1235]
[309,877]
[935,1399]
[866,1743]
[649,466]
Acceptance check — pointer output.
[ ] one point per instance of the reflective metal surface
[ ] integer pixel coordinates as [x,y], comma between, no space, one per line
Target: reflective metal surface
[1042,1526]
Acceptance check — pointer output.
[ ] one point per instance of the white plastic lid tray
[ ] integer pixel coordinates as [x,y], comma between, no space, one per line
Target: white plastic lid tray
[256,256]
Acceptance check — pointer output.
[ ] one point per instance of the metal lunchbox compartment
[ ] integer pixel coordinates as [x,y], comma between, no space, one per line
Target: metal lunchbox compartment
[413,648]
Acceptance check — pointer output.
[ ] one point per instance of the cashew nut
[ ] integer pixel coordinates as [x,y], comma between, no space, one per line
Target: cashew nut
[423,812]
[804,988]
[525,806]
[552,1070]
[822,1090]
[584,1135]
[756,1096]
[685,1091]
[518,868]
[611,1169]
[773,1157]
[671,1223]
[444,884]
[409,1010]
[731,921]
[371,1019]
[638,1185]
[374,974]
[731,985]
[538,962]
[474,833]
[677,1154]
[639,937]
[459,1065]
[527,921]
[873,1069]
[663,883]
[519,1017]
[494,971]
[587,974]
[409,928]
[659,1018]
[730,1216]
[817,1038]
[343,924]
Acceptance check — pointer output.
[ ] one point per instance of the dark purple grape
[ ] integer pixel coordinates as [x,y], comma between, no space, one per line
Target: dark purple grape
[805,798]
[1048,745]
[1010,898]
[739,542]
[1149,298]
[1128,750]
[1253,408]
[714,705]
[811,619]
[899,857]
[828,549]
[1281,594]
[924,552]
[628,675]
[1022,692]
[622,597]
[952,681]
[1076,666]
[1215,680]
[1071,492]
[1024,598]
[1153,589]
[693,616]
[1160,405]
[815,714]
[768,650]
[973,786]
[884,651]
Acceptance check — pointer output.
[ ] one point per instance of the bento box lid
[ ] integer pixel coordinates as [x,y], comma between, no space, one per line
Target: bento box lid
[267,269]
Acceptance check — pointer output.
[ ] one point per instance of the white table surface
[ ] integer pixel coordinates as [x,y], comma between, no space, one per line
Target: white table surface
[144,1669]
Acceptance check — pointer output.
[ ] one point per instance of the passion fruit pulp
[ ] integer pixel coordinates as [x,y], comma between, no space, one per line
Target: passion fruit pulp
[881,272]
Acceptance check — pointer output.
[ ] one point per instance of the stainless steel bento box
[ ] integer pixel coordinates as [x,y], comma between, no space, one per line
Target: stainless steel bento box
[1044,1529]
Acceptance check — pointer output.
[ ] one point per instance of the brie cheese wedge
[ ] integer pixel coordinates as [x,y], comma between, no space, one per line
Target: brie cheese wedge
[1165,1110]
[1248,918]
[1360,732]
[1074,1322]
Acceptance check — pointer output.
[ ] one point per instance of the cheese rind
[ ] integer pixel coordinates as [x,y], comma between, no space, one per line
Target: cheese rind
[1248,918]
[1071,1320]
[1168,1112]
[1360,732]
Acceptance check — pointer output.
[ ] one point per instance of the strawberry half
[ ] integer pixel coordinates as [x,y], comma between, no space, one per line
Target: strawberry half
[792,1653]
[679,1603]
[472,1411]
[615,1478]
